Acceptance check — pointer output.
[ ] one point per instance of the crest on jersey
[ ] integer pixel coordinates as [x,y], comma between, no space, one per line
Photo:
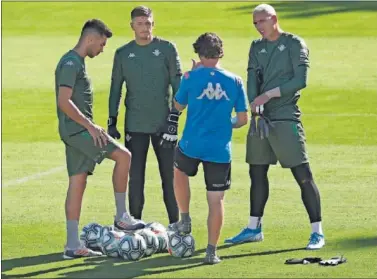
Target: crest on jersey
[156,52]
[281,47]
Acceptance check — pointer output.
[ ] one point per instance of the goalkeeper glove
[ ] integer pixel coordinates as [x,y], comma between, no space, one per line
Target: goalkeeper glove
[112,128]
[169,133]
[260,124]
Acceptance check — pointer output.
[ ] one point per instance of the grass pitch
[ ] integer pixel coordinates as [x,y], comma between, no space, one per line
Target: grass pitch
[339,115]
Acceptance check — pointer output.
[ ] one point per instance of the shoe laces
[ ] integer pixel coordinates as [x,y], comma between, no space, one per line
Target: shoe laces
[314,238]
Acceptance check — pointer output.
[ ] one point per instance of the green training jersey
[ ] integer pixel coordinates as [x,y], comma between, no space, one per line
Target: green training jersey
[282,63]
[70,72]
[152,74]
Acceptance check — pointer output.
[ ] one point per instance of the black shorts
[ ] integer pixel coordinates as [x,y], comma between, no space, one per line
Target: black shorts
[217,175]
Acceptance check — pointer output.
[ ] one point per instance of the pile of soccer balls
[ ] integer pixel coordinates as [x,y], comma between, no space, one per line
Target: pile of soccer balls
[132,246]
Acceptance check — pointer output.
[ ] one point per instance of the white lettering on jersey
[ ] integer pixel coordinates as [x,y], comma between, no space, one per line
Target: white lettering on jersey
[212,93]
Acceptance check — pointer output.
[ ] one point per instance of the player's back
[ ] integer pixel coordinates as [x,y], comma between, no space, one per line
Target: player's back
[212,94]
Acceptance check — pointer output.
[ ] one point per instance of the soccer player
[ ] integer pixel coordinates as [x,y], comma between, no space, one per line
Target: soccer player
[277,71]
[149,66]
[86,143]
[211,93]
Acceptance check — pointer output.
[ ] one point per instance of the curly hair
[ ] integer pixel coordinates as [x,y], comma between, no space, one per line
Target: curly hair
[209,45]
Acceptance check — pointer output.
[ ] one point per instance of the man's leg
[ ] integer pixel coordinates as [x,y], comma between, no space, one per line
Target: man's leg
[217,178]
[76,188]
[78,166]
[138,145]
[165,158]
[312,201]
[290,148]
[259,155]
[184,167]
[123,220]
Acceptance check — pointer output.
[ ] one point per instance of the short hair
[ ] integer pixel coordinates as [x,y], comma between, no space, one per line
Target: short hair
[209,45]
[141,11]
[265,8]
[97,26]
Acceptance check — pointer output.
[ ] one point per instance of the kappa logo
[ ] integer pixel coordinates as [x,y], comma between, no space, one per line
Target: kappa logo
[128,137]
[263,50]
[281,47]
[131,55]
[211,93]
[156,52]
[69,63]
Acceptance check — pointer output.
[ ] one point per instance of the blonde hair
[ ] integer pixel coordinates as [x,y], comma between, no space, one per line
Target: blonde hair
[265,8]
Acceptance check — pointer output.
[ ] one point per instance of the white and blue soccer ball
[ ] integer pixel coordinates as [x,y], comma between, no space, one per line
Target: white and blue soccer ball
[181,245]
[90,235]
[161,234]
[132,247]
[151,241]
[109,242]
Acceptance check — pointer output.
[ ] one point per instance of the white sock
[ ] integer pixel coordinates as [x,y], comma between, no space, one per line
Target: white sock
[254,222]
[317,227]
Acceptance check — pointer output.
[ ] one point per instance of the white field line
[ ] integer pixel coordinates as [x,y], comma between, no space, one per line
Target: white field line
[32,177]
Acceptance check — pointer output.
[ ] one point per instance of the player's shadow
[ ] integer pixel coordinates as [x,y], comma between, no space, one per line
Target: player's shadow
[116,268]
[305,9]
[7,265]
[357,243]
[104,267]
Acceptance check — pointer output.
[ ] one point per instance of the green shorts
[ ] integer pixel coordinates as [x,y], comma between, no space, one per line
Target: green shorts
[82,155]
[286,144]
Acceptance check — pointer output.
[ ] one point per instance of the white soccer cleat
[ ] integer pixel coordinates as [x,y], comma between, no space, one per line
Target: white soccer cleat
[316,241]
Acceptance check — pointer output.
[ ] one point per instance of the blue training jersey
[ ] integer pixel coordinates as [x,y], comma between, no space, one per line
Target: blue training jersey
[210,94]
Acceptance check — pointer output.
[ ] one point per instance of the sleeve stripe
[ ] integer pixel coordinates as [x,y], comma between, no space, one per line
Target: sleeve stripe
[65,85]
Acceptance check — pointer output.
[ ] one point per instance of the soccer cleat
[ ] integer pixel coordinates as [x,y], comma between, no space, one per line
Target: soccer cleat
[181,227]
[128,223]
[211,259]
[80,252]
[246,235]
[316,241]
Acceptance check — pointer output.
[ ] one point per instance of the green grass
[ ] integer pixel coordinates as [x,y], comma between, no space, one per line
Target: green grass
[339,116]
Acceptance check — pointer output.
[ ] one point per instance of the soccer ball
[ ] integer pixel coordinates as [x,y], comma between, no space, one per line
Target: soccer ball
[90,235]
[151,240]
[161,234]
[109,243]
[181,246]
[132,247]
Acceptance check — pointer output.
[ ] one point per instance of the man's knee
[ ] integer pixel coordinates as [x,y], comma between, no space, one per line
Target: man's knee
[302,173]
[215,198]
[78,180]
[121,155]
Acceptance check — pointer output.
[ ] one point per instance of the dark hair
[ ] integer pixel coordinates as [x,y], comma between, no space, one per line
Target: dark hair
[141,11]
[209,45]
[98,26]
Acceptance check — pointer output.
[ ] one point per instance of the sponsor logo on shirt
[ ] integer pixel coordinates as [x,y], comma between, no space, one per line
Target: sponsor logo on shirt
[213,93]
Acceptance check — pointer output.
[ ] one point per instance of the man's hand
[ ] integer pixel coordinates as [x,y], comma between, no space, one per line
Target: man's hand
[169,133]
[98,134]
[260,124]
[259,101]
[112,128]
